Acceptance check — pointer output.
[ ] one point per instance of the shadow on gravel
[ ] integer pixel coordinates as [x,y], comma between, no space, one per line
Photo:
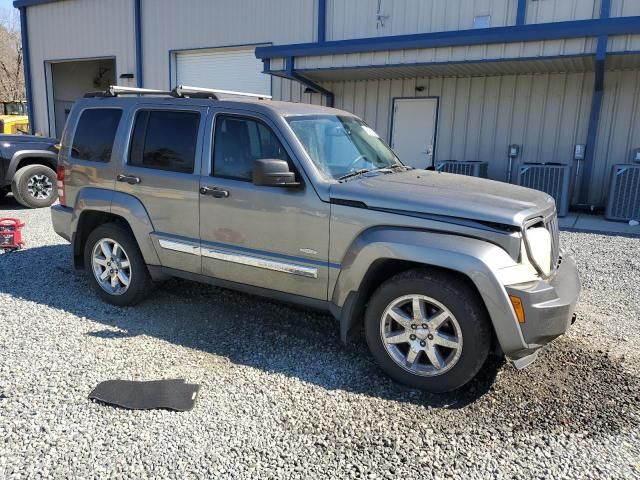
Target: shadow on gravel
[10,203]
[571,387]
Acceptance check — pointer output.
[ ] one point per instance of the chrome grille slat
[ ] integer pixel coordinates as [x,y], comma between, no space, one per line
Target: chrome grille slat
[551,224]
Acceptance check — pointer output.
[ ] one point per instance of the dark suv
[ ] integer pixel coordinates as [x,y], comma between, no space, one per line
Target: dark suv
[309,205]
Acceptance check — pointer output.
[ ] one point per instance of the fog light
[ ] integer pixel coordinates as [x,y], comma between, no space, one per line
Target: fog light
[517,306]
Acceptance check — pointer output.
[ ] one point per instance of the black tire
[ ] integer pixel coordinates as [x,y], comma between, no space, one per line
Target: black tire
[140,281]
[4,191]
[460,299]
[20,186]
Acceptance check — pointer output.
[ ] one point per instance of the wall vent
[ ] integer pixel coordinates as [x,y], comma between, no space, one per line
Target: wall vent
[551,178]
[471,169]
[623,202]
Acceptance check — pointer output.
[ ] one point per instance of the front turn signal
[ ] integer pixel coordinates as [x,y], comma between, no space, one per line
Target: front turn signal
[517,306]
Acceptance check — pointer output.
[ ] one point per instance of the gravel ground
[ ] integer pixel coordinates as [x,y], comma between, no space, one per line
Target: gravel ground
[282,398]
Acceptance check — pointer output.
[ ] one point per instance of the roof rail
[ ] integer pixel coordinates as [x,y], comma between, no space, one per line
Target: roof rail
[187,91]
[181,91]
[115,90]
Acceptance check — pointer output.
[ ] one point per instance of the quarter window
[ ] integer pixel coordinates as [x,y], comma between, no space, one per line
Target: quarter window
[239,142]
[95,134]
[165,140]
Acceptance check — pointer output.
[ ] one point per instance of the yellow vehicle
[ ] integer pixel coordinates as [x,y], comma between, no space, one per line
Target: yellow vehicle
[14,118]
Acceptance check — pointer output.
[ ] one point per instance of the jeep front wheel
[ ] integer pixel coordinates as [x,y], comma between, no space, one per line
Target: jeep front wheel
[428,330]
[115,266]
[34,186]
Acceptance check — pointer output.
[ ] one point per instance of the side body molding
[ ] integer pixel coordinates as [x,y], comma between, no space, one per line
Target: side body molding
[51,157]
[123,205]
[476,259]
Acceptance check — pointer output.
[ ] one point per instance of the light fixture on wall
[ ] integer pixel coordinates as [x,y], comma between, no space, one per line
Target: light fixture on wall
[420,88]
[126,75]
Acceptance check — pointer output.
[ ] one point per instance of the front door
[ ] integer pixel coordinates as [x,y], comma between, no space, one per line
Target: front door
[275,238]
[414,130]
[162,170]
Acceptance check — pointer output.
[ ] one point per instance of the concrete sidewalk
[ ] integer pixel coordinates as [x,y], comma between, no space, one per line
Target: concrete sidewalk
[585,222]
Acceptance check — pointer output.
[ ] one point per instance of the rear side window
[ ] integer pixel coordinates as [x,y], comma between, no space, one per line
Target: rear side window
[239,142]
[165,140]
[95,134]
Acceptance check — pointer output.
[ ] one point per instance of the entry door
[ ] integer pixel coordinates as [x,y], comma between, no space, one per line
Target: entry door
[414,130]
[275,238]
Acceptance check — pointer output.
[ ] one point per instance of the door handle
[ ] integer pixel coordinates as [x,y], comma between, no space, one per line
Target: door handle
[215,192]
[130,179]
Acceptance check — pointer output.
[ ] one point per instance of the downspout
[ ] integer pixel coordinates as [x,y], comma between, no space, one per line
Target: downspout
[137,10]
[293,75]
[596,108]
[26,64]
[521,14]
[322,21]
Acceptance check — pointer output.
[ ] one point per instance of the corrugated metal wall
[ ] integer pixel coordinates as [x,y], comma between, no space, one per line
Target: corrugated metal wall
[168,25]
[77,29]
[546,11]
[619,131]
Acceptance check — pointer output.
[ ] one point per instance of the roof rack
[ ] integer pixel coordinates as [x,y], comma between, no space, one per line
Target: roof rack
[187,91]
[181,91]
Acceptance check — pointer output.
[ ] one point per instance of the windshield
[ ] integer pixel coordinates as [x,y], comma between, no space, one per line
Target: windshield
[340,145]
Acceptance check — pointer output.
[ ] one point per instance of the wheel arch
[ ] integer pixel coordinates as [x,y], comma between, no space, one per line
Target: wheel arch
[22,158]
[380,253]
[94,207]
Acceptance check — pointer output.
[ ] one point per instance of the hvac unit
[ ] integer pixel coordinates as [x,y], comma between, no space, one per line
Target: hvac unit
[551,178]
[471,169]
[623,202]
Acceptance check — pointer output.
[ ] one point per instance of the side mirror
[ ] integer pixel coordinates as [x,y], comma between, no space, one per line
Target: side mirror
[273,173]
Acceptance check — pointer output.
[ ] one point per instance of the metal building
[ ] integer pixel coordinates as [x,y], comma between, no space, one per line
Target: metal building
[439,79]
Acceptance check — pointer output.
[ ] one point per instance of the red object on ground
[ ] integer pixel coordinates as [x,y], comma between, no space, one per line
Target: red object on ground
[10,234]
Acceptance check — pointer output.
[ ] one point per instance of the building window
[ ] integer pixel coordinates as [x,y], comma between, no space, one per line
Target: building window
[482,21]
[95,134]
[165,140]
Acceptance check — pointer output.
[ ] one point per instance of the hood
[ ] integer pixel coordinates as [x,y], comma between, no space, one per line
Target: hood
[446,194]
[26,139]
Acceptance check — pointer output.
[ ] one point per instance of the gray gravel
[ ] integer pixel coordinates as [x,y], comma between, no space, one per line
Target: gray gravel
[280,396]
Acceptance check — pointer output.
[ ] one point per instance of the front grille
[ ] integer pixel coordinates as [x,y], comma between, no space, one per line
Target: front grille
[551,224]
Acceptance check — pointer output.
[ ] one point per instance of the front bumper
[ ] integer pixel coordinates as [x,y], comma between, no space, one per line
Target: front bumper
[549,307]
[61,218]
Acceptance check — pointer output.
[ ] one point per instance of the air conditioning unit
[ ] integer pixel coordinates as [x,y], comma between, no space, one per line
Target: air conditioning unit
[623,202]
[551,178]
[471,168]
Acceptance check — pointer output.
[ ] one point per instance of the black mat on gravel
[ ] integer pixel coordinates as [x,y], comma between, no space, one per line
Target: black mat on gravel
[167,394]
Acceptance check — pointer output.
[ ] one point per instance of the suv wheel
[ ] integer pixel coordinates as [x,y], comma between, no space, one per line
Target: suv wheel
[115,265]
[428,331]
[34,186]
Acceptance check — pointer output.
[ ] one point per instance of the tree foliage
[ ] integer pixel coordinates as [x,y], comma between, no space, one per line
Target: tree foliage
[11,67]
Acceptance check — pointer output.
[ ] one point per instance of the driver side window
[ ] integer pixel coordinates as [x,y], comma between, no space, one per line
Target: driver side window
[238,142]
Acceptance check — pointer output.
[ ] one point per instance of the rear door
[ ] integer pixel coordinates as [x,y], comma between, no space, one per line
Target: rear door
[161,169]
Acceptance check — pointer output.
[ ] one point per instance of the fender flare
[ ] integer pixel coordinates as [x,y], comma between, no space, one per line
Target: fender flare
[122,205]
[22,154]
[476,259]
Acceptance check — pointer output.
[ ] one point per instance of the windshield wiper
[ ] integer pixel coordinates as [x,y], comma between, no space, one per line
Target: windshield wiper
[355,173]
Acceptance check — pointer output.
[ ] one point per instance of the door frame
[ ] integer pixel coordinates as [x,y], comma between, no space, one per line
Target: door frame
[435,130]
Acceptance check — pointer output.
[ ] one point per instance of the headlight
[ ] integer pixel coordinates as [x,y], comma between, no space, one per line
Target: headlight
[538,240]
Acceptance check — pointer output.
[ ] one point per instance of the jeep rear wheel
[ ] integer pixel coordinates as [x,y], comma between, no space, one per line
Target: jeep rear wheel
[428,330]
[34,186]
[115,266]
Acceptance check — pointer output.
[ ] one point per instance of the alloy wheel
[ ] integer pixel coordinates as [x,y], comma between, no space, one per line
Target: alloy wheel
[421,335]
[111,266]
[40,187]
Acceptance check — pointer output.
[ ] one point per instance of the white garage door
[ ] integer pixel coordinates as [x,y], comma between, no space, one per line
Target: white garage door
[235,69]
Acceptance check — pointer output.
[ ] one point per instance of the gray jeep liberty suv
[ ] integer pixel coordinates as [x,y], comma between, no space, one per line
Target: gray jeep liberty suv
[308,204]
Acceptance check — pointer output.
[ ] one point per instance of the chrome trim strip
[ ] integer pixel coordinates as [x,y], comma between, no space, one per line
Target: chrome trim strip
[290,268]
[179,246]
